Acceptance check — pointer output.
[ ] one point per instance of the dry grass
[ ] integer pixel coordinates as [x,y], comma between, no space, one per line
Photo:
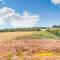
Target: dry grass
[27,34]
[12,35]
[28,49]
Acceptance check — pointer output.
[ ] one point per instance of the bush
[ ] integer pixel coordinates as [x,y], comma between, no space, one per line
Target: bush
[54,31]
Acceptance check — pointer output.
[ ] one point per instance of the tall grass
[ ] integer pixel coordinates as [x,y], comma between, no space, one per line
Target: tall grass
[38,35]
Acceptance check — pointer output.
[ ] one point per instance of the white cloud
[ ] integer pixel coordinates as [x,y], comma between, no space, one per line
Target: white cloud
[9,18]
[56,2]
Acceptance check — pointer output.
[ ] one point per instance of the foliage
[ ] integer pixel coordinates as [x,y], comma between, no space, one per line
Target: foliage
[55,31]
[56,26]
[43,54]
[20,29]
[38,35]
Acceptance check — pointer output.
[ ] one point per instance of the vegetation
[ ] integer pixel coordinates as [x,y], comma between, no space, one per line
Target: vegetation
[21,29]
[29,49]
[44,54]
[56,26]
[44,35]
[55,31]
[30,44]
[38,35]
[28,29]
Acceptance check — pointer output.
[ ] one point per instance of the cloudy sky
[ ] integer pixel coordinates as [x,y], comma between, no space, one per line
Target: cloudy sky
[29,13]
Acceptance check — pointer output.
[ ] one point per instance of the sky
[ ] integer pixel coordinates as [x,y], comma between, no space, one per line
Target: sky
[29,13]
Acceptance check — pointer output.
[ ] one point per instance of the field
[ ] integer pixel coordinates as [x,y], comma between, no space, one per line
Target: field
[27,35]
[12,35]
[29,45]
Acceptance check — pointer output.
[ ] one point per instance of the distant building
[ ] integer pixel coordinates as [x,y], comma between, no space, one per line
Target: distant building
[43,29]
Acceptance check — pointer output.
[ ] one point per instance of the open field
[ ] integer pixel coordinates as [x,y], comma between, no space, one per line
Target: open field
[31,45]
[27,34]
[12,35]
[44,35]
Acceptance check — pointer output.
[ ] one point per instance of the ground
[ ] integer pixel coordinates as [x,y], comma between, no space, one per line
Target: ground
[33,45]
[12,35]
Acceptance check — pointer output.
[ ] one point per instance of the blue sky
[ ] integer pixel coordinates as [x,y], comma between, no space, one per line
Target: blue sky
[48,12]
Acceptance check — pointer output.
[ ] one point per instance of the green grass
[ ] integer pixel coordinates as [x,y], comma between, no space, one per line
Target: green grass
[39,35]
[44,34]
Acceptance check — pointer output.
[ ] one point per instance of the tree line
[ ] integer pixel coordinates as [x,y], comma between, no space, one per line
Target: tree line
[20,29]
[27,29]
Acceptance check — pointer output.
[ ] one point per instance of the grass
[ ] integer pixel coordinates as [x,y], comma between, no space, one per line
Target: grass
[27,35]
[11,35]
[38,35]
[19,49]
[44,34]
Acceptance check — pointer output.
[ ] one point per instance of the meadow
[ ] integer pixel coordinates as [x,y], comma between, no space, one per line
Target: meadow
[29,45]
[27,35]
